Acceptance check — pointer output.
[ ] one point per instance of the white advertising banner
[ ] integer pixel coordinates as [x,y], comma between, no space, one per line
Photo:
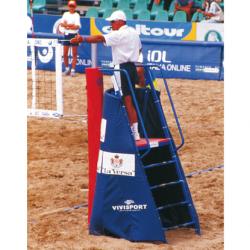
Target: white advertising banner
[210,32]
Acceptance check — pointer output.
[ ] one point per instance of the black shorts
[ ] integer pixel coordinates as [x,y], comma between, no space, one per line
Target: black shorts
[132,72]
[68,37]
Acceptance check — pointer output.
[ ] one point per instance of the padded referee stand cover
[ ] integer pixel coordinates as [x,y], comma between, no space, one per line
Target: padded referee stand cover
[94,89]
[123,204]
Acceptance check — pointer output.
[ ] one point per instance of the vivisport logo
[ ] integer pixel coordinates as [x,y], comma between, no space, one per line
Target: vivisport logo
[130,206]
[213,36]
[116,161]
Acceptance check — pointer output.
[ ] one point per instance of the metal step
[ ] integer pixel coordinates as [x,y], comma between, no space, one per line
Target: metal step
[159,164]
[167,184]
[153,143]
[173,205]
[180,225]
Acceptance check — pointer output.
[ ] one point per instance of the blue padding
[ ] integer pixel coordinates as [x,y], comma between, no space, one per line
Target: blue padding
[118,125]
[123,205]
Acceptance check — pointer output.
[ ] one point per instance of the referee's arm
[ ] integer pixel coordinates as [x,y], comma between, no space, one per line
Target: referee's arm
[88,39]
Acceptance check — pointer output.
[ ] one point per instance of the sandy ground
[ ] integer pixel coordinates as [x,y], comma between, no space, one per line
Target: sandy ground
[58,171]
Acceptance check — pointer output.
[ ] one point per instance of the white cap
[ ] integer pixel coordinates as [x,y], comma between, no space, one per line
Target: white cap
[117,15]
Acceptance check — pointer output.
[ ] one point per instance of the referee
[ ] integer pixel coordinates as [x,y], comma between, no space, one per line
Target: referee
[125,45]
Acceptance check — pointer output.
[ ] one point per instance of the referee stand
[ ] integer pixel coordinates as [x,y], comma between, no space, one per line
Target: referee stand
[137,189]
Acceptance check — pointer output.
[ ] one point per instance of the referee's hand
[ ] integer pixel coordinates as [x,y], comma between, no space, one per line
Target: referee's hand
[77,39]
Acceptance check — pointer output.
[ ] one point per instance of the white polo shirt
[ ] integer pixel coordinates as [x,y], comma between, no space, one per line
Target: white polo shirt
[125,44]
[71,19]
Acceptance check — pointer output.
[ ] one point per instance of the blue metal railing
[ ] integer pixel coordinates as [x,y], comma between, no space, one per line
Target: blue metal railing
[157,102]
[160,107]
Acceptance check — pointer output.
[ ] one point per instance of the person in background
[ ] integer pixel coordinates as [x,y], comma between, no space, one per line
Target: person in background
[71,23]
[125,44]
[213,14]
[186,6]
[166,3]
[206,5]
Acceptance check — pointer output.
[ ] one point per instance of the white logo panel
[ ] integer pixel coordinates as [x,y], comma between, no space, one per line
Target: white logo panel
[118,164]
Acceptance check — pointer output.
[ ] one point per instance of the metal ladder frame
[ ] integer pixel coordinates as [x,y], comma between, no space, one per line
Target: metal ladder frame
[173,148]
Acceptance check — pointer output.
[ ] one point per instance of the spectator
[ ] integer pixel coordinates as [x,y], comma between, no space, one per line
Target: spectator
[165,5]
[125,44]
[71,24]
[214,14]
[184,5]
[206,5]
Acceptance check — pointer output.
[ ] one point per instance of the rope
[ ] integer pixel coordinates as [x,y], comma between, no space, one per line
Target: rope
[69,209]
[59,210]
[203,171]
[75,207]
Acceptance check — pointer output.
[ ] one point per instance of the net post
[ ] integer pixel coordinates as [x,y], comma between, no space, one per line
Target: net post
[94,79]
[41,109]
[94,55]
[59,84]
[33,67]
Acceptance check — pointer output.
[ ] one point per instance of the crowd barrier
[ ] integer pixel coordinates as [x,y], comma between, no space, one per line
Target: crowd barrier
[187,59]
[178,59]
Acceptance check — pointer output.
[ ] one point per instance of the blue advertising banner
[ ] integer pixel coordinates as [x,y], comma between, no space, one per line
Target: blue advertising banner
[45,56]
[44,53]
[191,60]
[153,30]
[177,58]
[50,24]
[146,29]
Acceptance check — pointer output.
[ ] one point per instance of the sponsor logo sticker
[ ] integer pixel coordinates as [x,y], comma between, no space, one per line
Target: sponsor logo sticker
[153,144]
[207,69]
[118,164]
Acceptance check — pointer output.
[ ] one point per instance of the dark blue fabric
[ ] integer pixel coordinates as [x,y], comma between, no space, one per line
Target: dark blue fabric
[117,191]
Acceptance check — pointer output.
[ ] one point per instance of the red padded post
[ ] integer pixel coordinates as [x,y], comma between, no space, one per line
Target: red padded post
[94,79]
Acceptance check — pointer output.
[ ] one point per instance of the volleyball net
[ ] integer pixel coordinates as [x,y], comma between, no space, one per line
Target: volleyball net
[44,86]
